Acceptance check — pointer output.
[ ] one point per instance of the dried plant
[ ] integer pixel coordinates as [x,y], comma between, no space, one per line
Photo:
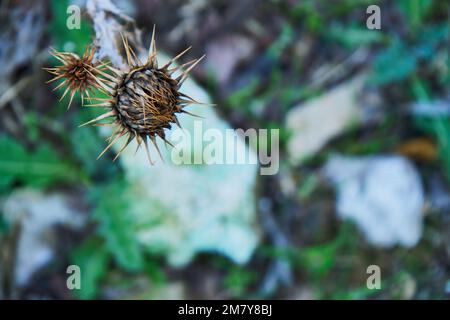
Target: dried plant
[144,99]
[78,74]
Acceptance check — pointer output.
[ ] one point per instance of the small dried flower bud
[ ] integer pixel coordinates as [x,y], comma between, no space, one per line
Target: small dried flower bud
[78,74]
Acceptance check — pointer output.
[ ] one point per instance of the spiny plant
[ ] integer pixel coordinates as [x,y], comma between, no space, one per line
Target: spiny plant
[79,73]
[142,98]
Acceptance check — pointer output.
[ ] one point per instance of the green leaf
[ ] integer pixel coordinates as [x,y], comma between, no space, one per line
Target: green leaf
[241,97]
[400,60]
[308,186]
[39,169]
[92,257]
[117,225]
[439,126]
[285,38]
[239,279]
[31,120]
[87,145]
[354,36]
[354,294]
[155,272]
[3,224]
[394,64]
[415,10]
[429,38]
[319,259]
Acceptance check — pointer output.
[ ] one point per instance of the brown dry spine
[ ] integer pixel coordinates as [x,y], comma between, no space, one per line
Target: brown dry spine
[144,99]
[79,74]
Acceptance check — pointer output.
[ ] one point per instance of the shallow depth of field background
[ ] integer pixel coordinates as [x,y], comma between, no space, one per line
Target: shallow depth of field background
[385,93]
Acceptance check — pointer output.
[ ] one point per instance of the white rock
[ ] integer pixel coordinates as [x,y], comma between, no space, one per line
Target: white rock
[315,122]
[37,213]
[225,53]
[383,195]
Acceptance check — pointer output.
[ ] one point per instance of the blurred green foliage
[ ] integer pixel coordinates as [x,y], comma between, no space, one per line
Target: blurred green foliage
[308,185]
[40,168]
[116,224]
[415,11]
[114,244]
[353,37]
[238,280]
[319,259]
[3,224]
[93,259]
[86,144]
[400,60]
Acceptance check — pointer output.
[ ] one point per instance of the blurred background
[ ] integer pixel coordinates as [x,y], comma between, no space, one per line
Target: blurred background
[364,179]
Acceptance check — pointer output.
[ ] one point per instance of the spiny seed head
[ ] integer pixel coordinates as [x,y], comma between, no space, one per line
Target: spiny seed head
[143,99]
[77,73]
[146,101]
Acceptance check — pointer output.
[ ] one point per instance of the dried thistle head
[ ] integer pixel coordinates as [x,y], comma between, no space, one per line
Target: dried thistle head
[144,99]
[77,73]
